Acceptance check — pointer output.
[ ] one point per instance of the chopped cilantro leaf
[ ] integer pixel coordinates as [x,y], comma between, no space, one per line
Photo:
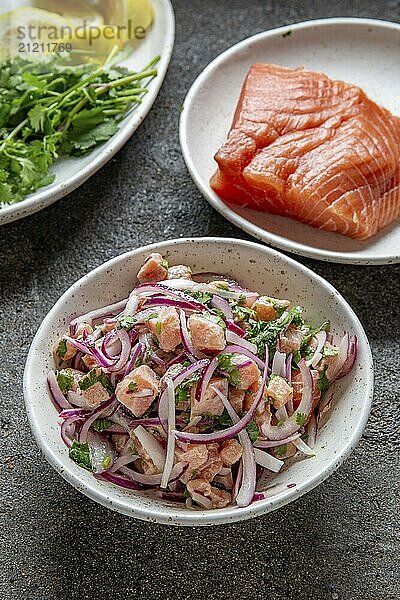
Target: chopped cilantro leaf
[65,380]
[222,286]
[332,351]
[126,321]
[253,431]
[312,331]
[229,368]
[101,425]
[323,382]
[203,297]
[62,348]
[158,328]
[80,454]
[164,263]
[281,450]
[301,418]
[152,316]
[182,390]
[132,386]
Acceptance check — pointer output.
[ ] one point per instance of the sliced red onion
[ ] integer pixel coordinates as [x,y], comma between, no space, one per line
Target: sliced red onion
[231,326]
[96,414]
[249,479]
[55,393]
[132,304]
[68,431]
[169,461]
[222,305]
[100,313]
[116,429]
[152,446]
[205,379]
[267,461]
[101,359]
[225,434]
[165,301]
[290,426]
[303,447]
[187,341]
[316,357]
[260,443]
[136,352]
[76,360]
[146,422]
[173,496]
[351,357]
[153,480]
[123,336]
[234,338]
[279,364]
[273,491]
[118,480]
[122,461]
[73,412]
[288,368]
[235,349]
[176,360]
[335,366]
[312,431]
[146,289]
[238,481]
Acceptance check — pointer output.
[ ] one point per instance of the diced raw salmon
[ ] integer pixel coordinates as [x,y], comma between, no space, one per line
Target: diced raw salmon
[290,340]
[230,452]
[247,375]
[206,335]
[166,328]
[138,389]
[155,268]
[196,455]
[219,498]
[211,404]
[236,398]
[265,308]
[279,391]
[313,149]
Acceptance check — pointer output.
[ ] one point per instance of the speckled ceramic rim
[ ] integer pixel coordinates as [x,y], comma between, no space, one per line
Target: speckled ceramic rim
[202,517]
[44,198]
[258,232]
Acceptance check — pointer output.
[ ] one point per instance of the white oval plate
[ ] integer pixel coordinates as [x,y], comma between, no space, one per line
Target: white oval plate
[72,172]
[360,51]
[258,268]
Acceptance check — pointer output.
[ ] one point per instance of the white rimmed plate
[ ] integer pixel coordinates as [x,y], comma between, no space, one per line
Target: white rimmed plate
[257,267]
[72,172]
[360,51]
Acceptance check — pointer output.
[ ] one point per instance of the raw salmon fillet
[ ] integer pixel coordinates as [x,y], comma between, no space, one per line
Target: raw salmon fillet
[317,150]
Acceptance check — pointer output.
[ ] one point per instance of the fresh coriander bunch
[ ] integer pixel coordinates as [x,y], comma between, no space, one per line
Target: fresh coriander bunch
[50,109]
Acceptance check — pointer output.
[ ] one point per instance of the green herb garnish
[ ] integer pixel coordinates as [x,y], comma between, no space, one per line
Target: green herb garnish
[281,450]
[126,321]
[62,346]
[301,418]
[323,382]
[253,431]
[65,380]
[229,368]
[262,333]
[80,454]
[101,425]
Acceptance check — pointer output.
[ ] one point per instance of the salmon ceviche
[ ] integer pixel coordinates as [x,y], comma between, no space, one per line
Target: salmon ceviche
[193,388]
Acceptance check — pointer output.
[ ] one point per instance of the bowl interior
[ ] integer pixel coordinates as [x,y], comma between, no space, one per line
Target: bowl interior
[256,267]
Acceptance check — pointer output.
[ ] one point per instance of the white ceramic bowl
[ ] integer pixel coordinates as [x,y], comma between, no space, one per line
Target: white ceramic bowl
[257,267]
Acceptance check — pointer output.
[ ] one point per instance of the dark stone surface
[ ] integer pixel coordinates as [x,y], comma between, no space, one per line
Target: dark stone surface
[338,542]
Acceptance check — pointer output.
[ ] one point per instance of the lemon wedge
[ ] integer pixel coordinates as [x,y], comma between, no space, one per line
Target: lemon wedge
[23,28]
[74,10]
[134,16]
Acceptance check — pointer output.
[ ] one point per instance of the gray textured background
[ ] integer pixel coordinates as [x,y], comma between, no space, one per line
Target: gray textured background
[338,542]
